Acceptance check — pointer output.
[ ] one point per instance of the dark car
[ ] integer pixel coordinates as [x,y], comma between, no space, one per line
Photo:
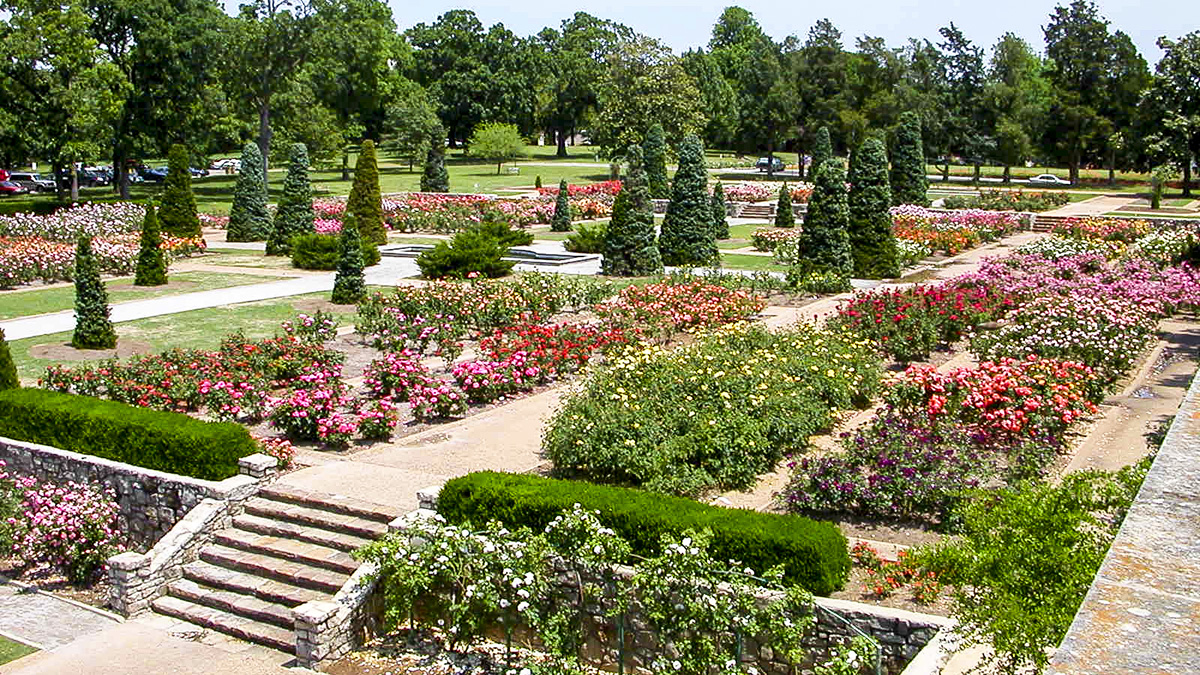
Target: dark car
[8,187]
[152,175]
[770,164]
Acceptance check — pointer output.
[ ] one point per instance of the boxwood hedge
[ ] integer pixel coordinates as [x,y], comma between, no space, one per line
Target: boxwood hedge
[813,554]
[151,439]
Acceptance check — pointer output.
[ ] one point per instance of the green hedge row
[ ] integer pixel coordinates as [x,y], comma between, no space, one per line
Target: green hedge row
[813,554]
[151,439]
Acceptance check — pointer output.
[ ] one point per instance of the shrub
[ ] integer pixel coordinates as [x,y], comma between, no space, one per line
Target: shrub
[825,240]
[687,230]
[249,219]
[784,215]
[8,369]
[365,202]
[164,441]
[504,233]
[152,261]
[320,252]
[435,178]
[822,149]
[812,554]
[871,240]
[93,329]
[654,152]
[71,527]
[561,222]
[472,252]
[588,238]
[177,213]
[720,215]
[294,215]
[349,286]
[908,181]
[630,247]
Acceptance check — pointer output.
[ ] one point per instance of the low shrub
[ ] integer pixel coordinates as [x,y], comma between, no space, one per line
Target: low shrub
[811,553]
[320,252]
[588,238]
[474,252]
[150,439]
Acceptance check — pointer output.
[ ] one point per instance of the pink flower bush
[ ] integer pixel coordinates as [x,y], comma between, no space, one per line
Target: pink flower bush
[434,399]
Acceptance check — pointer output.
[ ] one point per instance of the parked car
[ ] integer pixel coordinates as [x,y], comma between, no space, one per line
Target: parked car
[770,164]
[151,174]
[8,188]
[227,163]
[198,173]
[3,175]
[33,182]
[1048,179]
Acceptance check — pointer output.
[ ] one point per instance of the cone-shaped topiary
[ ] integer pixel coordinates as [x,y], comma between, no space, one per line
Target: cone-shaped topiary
[784,215]
[93,330]
[435,178]
[871,240]
[561,221]
[294,214]
[630,249]
[687,231]
[249,219]
[537,182]
[8,369]
[654,151]
[350,285]
[365,202]
[177,214]
[909,183]
[822,149]
[151,262]
[720,214]
[824,240]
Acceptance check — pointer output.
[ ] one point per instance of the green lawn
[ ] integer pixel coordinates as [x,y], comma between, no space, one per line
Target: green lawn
[27,303]
[1140,214]
[11,650]
[741,261]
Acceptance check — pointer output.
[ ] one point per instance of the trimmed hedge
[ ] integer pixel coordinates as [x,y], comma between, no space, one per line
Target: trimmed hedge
[151,439]
[813,554]
[320,252]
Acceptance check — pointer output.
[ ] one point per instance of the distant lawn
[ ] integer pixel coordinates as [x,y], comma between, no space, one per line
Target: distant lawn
[27,303]
[11,650]
[741,261]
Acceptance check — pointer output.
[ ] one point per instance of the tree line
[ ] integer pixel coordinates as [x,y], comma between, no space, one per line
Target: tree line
[87,79]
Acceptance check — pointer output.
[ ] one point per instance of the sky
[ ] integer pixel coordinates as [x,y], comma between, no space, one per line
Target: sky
[684,24]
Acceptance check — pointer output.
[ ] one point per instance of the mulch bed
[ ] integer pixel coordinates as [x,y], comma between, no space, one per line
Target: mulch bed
[43,578]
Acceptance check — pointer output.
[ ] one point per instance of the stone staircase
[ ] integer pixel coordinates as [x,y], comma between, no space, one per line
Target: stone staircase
[758,211]
[289,547]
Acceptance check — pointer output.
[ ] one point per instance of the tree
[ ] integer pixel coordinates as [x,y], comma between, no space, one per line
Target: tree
[654,149]
[249,219]
[822,149]
[767,98]
[784,215]
[411,121]
[820,69]
[966,129]
[93,329]
[435,178]
[365,202]
[720,99]
[687,230]
[349,285]
[630,249]
[1016,100]
[178,215]
[8,369]
[825,240]
[908,181]
[1173,103]
[497,142]
[151,262]
[720,214]
[561,221]
[294,213]
[871,240]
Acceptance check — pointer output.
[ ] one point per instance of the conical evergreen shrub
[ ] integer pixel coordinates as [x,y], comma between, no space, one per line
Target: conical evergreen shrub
[537,182]
[561,221]
[824,240]
[871,239]
[249,219]
[687,232]
[151,262]
[720,215]
[435,178]
[822,150]
[910,184]
[8,369]
[654,151]
[93,329]
[784,215]
[630,249]
[365,202]
[177,214]
[350,285]
[294,213]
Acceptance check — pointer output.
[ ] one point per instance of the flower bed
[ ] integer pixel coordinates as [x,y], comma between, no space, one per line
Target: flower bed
[105,220]
[1010,200]
[665,308]
[24,260]
[768,239]
[761,192]
[608,187]
[1106,229]
[952,231]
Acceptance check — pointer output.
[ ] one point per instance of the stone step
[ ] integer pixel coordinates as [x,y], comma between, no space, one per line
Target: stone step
[288,549]
[235,603]
[283,639]
[315,517]
[314,535]
[328,502]
[295,573]
[271,590]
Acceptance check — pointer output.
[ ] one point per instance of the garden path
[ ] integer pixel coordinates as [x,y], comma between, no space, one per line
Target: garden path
[45,620]
[1095,206]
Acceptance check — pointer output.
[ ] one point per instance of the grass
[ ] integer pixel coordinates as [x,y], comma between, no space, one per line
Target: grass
[11,650]
[741,261]
[1143,214]
[28,303]
[236,257]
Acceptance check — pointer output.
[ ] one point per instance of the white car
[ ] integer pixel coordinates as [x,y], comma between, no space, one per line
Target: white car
[222,164]
[1048,179]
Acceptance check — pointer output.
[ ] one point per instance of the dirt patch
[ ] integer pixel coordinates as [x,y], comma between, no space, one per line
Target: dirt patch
[855,591]
[94,594]
[314,305]
[65,352]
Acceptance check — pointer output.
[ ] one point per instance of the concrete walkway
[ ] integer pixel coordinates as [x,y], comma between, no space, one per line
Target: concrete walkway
[1095,206]
[44,620]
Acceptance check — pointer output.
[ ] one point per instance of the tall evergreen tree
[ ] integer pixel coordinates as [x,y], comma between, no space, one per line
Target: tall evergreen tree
[151,262]
[93,329]
[822,149]
[630,248]
[561,221]
[177,216]
[908,180]
[435,178]
[720,214]
[8,369]
[654,151]
[871,239]
[784,215]
[824,240]
[366,201]
[349,286]
[249,219]
[687,231]
[294,214]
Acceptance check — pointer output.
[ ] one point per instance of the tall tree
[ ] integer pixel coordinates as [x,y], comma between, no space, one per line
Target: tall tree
[824,239]
[1173,103]
[654,150]
[248,216]
[820,70]
[435,178]
[294,213]
[349,284]
[151,262]
[968,133]
[767,100]
[365,202]
[93,329]
[178,215]
[719,98]
[871,240]
[630,248]
[497,142]
[1016,99]
[410,122]
[784,215]
[909,184]
[720,214]
[687,230]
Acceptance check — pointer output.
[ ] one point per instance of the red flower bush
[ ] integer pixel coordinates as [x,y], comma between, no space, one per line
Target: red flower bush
[555,348]
[667,307]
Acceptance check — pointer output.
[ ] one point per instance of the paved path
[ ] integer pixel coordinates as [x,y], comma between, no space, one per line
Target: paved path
[45,620]
[1096,206]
